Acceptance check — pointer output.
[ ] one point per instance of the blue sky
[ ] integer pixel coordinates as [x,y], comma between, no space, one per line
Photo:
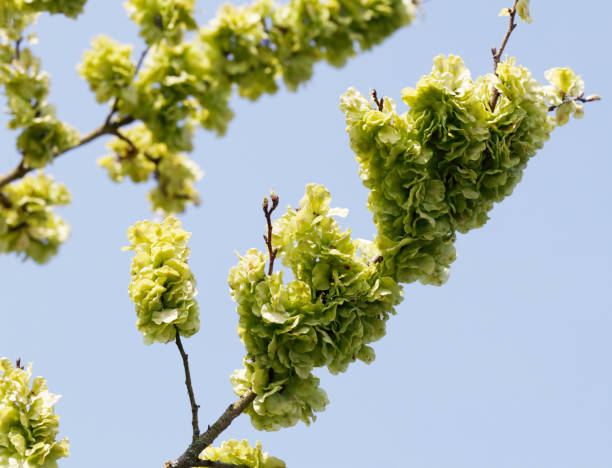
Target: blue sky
[507,365]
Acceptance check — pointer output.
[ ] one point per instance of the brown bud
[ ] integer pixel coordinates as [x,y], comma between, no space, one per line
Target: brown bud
[274,198]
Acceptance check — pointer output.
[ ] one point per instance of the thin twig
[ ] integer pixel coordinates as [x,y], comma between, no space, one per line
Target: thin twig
[379,102]
[581,98]
[18,48]
[112,112]
[190,457]
[141,60]
[268,238]
[497,52]
[192,401]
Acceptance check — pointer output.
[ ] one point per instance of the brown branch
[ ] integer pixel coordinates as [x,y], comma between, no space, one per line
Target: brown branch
[106,129]
[192,402]
[191,456]
[581,98]
[379,102]
[217,464]
[497,52]
[268,238]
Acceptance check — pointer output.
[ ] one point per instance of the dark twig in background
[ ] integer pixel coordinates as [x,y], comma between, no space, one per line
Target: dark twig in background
[268,238]
[141,60]
[4,201]
[497,52]
[192,401]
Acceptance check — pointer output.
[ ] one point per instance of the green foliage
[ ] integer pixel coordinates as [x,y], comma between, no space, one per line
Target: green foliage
[162,20]
[522,8]
[141,158]
[162,285]
[337,304]
[17,15]
[439,168]
[109,70]
[241,453]
[29,226]
[28,424]
[187,83]
[26,88]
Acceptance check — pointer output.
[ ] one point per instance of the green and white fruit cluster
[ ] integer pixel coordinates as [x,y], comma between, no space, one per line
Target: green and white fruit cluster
[337,304]
[438,168]
[28,423]
[162,285]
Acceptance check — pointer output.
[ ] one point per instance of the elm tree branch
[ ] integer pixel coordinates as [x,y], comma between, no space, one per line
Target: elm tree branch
[105,129]
[497,52]
[192,401]
[190,457]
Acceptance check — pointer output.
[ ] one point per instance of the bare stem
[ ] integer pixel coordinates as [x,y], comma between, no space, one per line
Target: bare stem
[497,52]
[192,401]
[268,238]
[190,457]
[379,102]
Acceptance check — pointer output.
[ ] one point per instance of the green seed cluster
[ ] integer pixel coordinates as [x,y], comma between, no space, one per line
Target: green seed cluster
[337,304]
[28,424]
[28,225]
[138,157]
[439,168]
[242,454]
[26,88]
[162,285]
[185,83]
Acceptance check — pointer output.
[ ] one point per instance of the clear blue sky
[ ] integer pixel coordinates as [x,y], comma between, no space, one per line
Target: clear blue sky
[507,365]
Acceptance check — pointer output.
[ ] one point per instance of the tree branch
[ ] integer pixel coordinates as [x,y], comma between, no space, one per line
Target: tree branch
[105,129]
[581,98]
[192,401]
[217,464]
[190,457]
[497,52]
[268,238]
